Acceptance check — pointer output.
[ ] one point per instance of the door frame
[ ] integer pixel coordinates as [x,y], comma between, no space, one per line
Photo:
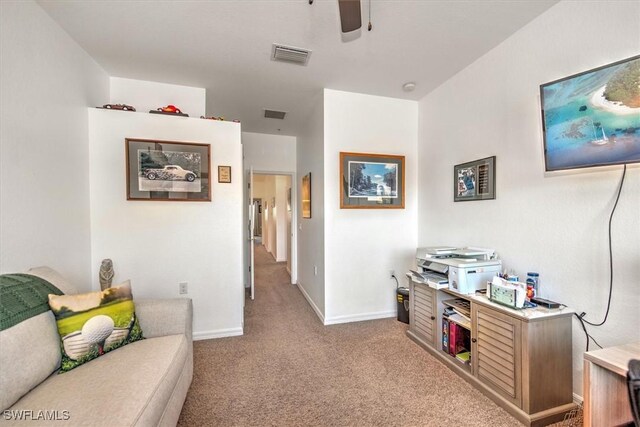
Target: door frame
[294,220]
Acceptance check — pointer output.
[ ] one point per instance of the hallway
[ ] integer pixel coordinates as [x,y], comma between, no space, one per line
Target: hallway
[290,370]
[269,272]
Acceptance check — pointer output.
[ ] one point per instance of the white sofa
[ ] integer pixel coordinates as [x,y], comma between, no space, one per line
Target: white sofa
[141,384]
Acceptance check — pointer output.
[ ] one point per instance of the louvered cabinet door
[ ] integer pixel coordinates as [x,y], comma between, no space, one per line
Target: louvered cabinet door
[423,316]
[496,352]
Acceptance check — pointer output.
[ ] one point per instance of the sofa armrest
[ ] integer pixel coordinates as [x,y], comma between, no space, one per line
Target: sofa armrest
[159,317]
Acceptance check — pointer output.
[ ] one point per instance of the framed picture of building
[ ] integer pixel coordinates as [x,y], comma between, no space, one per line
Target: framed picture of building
[475,180]
[371,181]
[168,170]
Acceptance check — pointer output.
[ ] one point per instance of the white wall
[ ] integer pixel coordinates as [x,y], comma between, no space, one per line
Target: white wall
[145,96]
[47,82]
[556,223]
[362,245]
[269,153]
[310,158]
[159,244]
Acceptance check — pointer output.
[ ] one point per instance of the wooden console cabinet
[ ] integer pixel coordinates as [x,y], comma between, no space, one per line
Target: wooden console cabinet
[521,359]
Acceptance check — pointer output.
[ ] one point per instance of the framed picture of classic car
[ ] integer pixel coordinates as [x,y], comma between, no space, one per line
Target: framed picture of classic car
[168,170]
[371,181]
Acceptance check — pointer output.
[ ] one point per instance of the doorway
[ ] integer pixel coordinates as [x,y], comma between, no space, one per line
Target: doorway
[273,213]
[271,207]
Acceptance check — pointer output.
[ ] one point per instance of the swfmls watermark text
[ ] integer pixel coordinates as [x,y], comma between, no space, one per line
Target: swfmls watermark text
[38,415]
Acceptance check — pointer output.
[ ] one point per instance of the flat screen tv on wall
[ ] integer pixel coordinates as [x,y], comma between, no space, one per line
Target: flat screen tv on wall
[593,118]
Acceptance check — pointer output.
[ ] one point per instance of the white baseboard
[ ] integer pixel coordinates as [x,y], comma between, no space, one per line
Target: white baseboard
[219,333]
[311,303]
[359,317]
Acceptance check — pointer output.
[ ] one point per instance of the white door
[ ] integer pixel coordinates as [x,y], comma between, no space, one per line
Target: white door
[251,239]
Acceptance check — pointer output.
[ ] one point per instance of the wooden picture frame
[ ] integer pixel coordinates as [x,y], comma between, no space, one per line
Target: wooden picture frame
[306,196]
[371,181]
[475,180]
[224,174]
[172,171]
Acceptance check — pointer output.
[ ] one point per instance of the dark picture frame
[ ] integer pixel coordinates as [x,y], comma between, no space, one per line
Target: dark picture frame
[475,180]
[371,181]
[224,174]
[588,118]
[306,196]
[174,171]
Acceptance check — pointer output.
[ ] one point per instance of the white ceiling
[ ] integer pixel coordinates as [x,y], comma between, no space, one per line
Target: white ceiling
[225,46]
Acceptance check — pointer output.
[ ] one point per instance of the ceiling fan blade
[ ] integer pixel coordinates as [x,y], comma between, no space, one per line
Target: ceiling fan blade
[350,17]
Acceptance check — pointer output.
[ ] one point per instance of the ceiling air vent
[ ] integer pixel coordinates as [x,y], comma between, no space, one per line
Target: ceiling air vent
[290,54]
[273,114]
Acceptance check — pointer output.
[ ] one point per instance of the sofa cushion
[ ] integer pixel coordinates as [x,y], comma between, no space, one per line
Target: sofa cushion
[128,386]
[29,346]
[53,277]
[94,323]
[29,353]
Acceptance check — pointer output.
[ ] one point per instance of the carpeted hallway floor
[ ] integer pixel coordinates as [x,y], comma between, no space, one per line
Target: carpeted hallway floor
[290,370]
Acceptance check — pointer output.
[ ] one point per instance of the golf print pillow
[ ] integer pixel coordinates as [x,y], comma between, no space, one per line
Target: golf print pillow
[94,323]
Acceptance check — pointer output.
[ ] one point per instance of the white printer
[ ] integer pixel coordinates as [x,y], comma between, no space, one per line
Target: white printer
[464,270]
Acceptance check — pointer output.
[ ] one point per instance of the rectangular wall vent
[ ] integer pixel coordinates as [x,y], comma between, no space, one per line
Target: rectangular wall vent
[294,55]
[273,114]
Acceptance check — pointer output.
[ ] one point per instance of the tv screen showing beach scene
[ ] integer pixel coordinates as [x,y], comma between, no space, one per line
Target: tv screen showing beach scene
[593,118]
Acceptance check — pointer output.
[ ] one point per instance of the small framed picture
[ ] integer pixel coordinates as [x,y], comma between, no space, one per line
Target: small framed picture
[371,181]
[306,196]
[475,180]
[168,170]
[224,174]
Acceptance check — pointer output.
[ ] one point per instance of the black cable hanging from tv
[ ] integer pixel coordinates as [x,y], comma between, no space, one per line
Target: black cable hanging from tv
[615,205]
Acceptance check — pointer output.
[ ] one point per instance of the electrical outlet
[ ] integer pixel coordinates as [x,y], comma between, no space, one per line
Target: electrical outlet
[392,274]
[184,287]
[315,270]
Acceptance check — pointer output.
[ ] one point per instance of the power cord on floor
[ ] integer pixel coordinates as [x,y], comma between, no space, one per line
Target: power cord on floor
[606,314]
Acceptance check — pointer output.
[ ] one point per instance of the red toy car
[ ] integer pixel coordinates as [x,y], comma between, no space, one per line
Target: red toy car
[170,109]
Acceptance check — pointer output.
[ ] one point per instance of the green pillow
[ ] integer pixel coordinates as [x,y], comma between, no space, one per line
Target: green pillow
[94,323]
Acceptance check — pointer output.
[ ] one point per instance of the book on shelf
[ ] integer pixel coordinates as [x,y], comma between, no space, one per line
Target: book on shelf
[464,356]
[453,336]
[445,335]
[463,340]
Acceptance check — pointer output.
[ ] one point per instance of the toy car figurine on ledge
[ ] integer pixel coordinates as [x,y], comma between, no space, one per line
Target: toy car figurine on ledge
[170,110]
[218,118]
[123,107]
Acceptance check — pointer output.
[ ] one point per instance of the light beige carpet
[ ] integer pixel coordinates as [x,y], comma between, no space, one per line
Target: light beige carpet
[290,370]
